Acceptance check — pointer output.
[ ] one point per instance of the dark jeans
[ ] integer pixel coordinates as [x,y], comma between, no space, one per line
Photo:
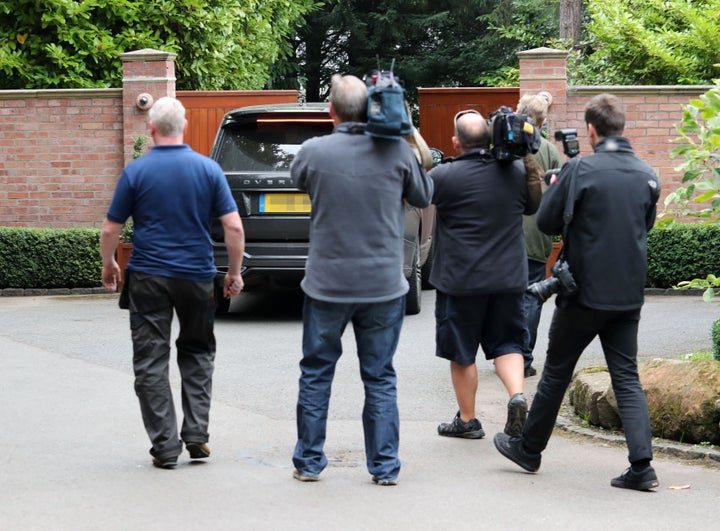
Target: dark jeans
[573,327]
[377,330]
[532,308]
[152,300]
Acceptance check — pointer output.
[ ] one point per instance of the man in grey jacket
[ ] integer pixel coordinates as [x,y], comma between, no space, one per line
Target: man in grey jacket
[357,185]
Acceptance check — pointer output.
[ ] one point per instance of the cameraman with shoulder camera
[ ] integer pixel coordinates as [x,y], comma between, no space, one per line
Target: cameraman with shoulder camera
[480,269]
[613,196]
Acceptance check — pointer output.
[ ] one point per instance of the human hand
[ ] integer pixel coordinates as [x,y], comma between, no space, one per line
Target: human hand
[232,285]
[111,276]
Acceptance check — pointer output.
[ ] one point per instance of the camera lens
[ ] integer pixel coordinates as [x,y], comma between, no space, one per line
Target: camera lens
[544,289]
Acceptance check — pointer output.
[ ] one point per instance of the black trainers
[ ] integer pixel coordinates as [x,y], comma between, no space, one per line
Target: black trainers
[167,463]
[517,413]
[530,371]
[198,450]
[512,448]
[644,480]
[457,428]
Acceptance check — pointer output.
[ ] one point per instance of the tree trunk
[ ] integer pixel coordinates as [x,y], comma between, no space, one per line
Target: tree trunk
[570,20]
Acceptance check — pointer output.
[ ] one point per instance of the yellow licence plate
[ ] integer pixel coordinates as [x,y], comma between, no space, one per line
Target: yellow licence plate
[284,203]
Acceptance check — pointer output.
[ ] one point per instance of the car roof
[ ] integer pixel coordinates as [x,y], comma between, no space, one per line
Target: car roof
[245,114]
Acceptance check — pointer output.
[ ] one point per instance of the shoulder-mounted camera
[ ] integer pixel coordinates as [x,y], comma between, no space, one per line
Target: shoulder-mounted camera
[512,135]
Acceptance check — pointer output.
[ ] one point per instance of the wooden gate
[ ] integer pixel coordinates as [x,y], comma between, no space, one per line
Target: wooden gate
[205,110]
[438,106]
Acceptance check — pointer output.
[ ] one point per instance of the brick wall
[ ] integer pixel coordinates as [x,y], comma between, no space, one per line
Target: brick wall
[61,151]
[651,111]
[60,156]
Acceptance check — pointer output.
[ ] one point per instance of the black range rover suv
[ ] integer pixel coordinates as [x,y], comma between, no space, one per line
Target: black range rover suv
[255,146]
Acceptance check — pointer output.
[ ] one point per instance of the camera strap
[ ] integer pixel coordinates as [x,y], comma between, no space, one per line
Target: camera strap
[569,206]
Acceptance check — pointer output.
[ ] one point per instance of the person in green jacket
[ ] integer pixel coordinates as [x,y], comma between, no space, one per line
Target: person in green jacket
[538,244]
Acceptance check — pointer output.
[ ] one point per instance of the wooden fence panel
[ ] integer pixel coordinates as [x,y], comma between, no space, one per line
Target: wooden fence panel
[438,106]
[205,110]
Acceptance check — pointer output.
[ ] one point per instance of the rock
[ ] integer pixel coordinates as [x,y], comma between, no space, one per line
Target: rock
[591,396]
[683,399]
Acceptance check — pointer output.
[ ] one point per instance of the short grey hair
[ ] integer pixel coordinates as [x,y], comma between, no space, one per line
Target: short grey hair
[168,116]
[349,98]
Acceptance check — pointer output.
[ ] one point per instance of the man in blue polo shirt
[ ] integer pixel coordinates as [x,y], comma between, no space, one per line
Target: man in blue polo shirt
[172,193]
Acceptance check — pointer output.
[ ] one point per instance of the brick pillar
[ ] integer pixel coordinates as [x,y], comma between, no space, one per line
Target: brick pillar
[546,69]
[149,72]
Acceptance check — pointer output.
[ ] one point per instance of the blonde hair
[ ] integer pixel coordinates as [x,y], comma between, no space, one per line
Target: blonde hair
[535,106]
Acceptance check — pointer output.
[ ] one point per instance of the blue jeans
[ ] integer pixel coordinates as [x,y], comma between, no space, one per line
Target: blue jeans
[377,330]
[532,308]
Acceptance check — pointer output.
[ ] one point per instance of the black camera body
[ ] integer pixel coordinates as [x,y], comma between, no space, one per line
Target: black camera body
[561,281]
[512,135]
[571,148]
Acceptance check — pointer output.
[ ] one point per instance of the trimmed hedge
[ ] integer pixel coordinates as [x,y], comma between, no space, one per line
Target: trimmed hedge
[683,252]
[70,258]
[49,258]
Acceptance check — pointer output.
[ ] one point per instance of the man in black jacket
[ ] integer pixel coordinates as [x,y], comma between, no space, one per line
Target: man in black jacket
[480,269]
[614,196]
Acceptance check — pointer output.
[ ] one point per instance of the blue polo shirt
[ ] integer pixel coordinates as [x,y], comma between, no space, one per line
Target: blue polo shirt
[172,194]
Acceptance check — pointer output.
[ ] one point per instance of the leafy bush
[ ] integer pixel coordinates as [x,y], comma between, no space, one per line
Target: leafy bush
[227,44]
[685,250]
[715,335]
[49,258]
[647,42]
[70,258]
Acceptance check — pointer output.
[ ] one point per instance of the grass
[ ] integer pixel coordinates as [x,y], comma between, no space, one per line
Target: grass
[697,356]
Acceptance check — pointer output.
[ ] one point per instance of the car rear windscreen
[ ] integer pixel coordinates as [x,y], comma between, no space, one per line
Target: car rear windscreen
[265,145]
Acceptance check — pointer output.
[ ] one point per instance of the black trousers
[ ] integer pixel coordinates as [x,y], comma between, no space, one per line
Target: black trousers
[152,301]
[573,327]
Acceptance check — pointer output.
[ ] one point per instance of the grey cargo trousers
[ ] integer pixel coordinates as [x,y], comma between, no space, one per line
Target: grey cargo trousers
[152,300]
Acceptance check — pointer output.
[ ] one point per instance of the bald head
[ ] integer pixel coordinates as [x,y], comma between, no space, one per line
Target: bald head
[471,132]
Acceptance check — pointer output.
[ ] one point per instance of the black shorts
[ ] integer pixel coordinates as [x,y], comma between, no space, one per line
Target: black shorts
[495,322]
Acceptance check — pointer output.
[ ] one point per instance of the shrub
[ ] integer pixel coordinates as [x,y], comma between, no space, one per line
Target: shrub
[715,335]
[49,258]
[685,250]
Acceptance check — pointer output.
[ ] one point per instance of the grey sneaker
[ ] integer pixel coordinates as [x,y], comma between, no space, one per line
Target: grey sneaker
[517,413]
[471,429]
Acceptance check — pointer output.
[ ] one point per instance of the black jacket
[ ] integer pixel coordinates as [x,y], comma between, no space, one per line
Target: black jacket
[479,244]
[614,207]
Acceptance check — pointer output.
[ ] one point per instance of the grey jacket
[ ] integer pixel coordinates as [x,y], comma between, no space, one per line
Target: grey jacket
[357,185]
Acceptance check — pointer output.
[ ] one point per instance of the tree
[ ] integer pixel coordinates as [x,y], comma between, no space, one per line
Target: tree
[651,42]
[570,20]
[452,43]
[74,44]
